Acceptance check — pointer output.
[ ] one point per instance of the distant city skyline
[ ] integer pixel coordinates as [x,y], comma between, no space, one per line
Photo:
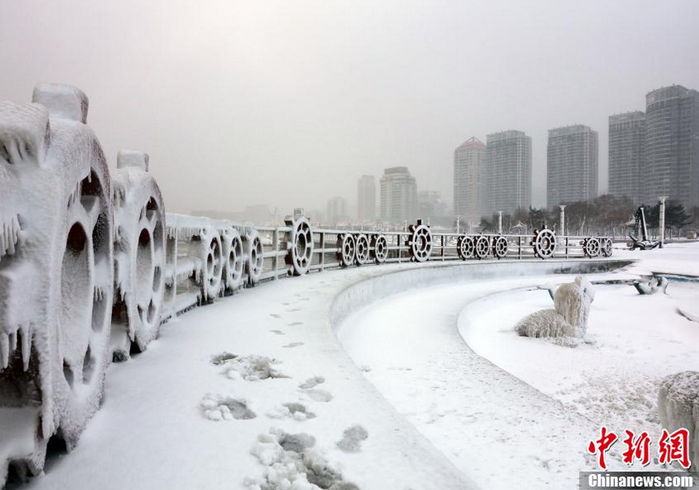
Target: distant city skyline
[643,164]
[507,172]
[398,195]
[572,165]
[257,121]
[468,180]
[366,199]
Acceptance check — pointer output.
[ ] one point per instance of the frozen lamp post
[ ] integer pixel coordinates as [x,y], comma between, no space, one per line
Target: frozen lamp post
[458,222]
[500,222]
[563,219]
[661,223]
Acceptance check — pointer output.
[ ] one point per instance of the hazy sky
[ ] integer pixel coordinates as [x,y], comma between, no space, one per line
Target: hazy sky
[289,102]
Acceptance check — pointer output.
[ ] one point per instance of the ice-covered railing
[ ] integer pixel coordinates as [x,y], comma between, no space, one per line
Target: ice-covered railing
[207,258]
[91,266]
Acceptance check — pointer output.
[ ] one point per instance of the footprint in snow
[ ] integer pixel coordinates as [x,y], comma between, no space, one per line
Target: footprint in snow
[252,368]
[217,407]
[292,345]
[278,332]
[275,315]
[294,324]
[296,411]
[319,395]
[312,382]
[309,389]
[352,438]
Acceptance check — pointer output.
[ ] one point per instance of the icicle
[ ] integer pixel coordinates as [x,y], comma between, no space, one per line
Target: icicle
[47,426]
[4,350]
[9,236]
[26,333]
[13,341]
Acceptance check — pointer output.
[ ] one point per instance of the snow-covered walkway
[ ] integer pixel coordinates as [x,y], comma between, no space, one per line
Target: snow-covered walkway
[494,427]
[158,427]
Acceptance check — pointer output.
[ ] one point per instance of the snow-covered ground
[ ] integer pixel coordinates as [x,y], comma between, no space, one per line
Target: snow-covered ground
[632,342]
[187,414]
[538,428]
[255,391]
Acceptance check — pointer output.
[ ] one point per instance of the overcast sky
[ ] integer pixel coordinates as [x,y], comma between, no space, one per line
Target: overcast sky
[288,102]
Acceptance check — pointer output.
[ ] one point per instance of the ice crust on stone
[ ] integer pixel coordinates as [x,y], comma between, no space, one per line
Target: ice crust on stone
[678,407]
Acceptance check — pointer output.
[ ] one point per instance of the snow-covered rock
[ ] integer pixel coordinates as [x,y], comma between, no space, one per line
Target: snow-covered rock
[678,407]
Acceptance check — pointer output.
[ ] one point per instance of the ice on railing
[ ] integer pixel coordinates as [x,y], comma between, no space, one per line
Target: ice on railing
[9,236]
[8,345]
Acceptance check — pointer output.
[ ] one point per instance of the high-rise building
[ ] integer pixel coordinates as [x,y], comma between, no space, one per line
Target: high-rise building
[337,210]
[431,205]
[366,199]
[398,195]
[468,163]
[571,165]
[627,139]
[507,173]
[671,161]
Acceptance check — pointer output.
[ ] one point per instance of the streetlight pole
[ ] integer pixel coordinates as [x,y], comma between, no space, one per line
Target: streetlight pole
[500,222]
[662,220]
[563,219]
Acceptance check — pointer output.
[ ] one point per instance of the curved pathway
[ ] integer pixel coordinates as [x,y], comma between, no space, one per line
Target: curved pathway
[494,427]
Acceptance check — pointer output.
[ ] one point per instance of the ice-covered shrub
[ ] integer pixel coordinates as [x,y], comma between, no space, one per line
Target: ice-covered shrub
[569,316]
[678,407]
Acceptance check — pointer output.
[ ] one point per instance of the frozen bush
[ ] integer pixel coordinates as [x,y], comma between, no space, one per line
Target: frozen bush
[568,319]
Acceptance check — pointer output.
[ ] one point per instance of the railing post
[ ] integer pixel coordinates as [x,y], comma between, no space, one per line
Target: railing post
[322,251]
[275,246]
[174,270]
[519,247]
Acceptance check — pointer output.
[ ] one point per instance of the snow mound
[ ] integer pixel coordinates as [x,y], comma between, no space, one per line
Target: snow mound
[249,368]
[568,318]
[217,407]
[632,402]
[293,463]
[678,407]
